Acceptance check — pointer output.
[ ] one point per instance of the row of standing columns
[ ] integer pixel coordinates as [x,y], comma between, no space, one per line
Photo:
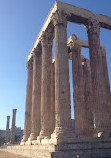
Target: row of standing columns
[48,109]
[12,138]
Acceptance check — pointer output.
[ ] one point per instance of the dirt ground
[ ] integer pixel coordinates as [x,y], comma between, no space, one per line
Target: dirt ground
[8,155]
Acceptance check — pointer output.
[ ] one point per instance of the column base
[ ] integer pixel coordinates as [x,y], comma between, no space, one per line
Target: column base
[61,135]
[23,140]
[31,141]
[28,142]
[22,143]
[44,135]
[43,140]
[32,137]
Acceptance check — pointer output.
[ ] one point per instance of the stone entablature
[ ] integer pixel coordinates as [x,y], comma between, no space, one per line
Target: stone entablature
[75,15]
[73,39]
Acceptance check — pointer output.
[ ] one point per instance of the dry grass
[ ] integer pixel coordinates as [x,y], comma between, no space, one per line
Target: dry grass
[9,155]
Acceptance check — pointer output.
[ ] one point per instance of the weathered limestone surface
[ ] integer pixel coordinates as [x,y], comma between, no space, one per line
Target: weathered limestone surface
[36,95]
[7,130]
[84,149]
[78,91]
[62,90]
[50,90]
[13,126]
[88,96]
[52,124]
[106,80]
[45,87]
[47,99]
[98,85]
[105,70]
[28,106]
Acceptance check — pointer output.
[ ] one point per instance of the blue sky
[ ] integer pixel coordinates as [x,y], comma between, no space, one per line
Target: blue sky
[20,23]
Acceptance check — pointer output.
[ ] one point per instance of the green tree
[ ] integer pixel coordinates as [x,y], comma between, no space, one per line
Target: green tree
[2,139]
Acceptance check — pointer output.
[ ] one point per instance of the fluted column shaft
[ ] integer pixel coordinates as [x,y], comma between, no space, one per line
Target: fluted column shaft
[78,90]
[36,95]
[52,96]
[98,86]
[62,89]
[7,130]
[50,90]
[28,105]
[47,100]
[88,96]
[13,126]
[106,80]
[45,132]
[105,69]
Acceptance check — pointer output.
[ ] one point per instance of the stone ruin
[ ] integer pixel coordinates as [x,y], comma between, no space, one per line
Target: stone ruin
[48,130]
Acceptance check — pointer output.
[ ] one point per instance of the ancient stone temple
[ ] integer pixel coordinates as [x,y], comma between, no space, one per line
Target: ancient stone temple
[48,130]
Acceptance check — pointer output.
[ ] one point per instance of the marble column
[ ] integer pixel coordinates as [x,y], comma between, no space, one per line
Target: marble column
[36,95]
[13,126]
[88,96]
[106,79]
[78,91]
[7,130]
[28,105]
[45,87]
[50,89]
[98,86]
[47,91]
[105,69]
[62,89]
[52,107]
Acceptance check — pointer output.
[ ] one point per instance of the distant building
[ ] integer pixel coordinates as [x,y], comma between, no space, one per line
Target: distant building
[2,133]
[18,134]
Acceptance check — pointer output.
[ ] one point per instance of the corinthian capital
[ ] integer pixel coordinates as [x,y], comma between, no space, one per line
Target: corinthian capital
[93,25]
[75,47]
[59,17]
[46,39]
[36,52]
[29,65]
[85,63]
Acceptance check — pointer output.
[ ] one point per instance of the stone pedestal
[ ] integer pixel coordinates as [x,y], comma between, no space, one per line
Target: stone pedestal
[28,106]
[62,91]
[36,96]
[12,141]
[93,148]
[98,86]
[7,130]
